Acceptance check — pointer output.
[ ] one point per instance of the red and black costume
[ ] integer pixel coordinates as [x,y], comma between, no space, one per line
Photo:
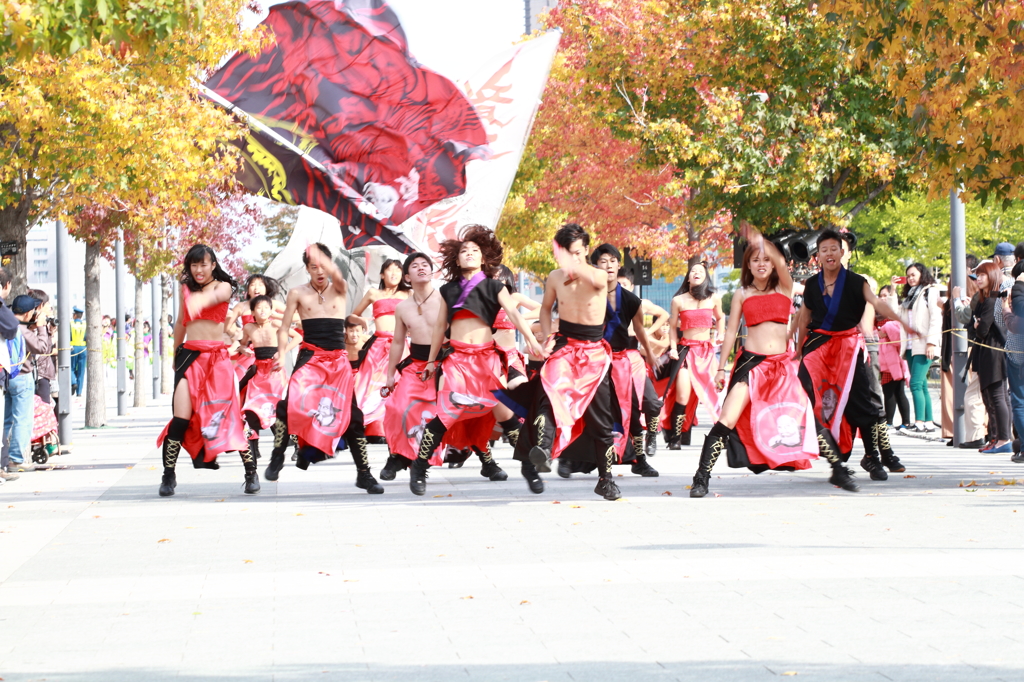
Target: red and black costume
[319,407]
[372,368]
[242,362]
[836,373]
[697,359]
[216,422]
[516,359]
[777,429]
[468,376]
[260,390]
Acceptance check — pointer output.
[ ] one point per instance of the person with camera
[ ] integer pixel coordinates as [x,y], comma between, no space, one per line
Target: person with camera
[9,328]
[988,358]
[43,335]
[21,380]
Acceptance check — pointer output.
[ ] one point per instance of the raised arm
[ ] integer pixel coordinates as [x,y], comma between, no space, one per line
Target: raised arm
[883,309]
[365,301]
[660,314]
[509,304]
[755,238]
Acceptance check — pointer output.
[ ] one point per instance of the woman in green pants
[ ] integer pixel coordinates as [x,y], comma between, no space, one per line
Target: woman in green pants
[920,310]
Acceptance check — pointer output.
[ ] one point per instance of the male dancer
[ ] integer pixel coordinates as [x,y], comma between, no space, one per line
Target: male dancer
[473,365]
[263,386]
[319,407]
[576,399]
[628,372]
[835,370]
[411,401]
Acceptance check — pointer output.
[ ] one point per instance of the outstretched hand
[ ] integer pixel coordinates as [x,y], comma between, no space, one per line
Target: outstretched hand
[750,234]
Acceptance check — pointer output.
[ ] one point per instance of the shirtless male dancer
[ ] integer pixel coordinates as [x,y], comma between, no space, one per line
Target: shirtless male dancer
[319,407]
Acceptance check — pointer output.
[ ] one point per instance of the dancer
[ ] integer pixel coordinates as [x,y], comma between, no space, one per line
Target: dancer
[835,370]
[505,331]
[766,420]
[263,385]
[256,285]
[319,407]
[373,358]
[473,365]
[206,416]
[411,399]
[355,340]
[692,350]
[624,313]
[575,400]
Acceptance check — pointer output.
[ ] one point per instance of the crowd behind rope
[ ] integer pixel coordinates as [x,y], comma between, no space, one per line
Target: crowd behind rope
[656,375]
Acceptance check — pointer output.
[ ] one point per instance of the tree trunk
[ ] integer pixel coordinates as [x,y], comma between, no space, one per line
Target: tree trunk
[140,345]
[14,230]
[167,370]
[95,397]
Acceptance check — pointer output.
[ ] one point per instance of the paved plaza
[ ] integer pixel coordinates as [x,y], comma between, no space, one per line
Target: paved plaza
[777,575]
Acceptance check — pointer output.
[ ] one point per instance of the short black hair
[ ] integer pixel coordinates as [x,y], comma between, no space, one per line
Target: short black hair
[971,261]
[569,233]
[414,256]
[828,234]
[262,298]
[5,277]
[323,249]
[1018,251]
[605,249]
[628,274]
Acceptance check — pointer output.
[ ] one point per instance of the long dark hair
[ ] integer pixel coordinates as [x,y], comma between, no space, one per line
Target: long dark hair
[505,275]
[269,283]
[402,286]
[197,254]
[490,249]
[702,292]
[995,279]
[926,278]
[747,275]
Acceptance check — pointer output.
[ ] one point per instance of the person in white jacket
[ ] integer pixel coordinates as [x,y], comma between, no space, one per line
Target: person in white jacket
[920,311]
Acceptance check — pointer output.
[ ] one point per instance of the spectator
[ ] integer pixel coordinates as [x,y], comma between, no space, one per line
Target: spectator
[77,351]
[891,345]
[921,312]
[946,365]
[975,415]
[40,336]
[9,329]
[1013,315]
[1005,259]
[988,358]
[21,384]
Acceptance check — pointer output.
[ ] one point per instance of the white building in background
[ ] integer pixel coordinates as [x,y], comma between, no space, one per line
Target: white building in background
[42,272]
[533,9]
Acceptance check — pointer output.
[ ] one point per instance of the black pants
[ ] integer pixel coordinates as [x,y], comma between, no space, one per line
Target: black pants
[997,404]
[864,406]
[598,419]
[896,396]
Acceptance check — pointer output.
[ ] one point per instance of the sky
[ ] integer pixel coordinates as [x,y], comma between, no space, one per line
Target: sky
[452,37]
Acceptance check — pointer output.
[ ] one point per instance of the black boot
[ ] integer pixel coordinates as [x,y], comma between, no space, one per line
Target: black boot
[418,476]
[676,421]
[564,467]
[607,489]
[254,447]
[684,436]
[880,433]
[714,445]
[490,468]
[532,477]
[391,468]
[641,467]
[366,481]
[651,443]
[841,476]
[252,479]
[510,430]
[170,450]
[540,454]
[281,441]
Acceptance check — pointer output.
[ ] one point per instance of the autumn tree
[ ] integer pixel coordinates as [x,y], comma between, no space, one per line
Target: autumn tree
[278,223]
[100,109]
[957,69]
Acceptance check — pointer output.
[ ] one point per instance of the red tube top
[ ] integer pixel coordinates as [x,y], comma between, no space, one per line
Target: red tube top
[700,318]
[501,321]
[773,307]
[217,313]
[248,319]
[463,314]
[385,306]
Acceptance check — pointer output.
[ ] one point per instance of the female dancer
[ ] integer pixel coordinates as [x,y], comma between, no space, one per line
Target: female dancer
[699,313]
[505,331]
[372,371]
[207,419]
[766,421]
[256,285]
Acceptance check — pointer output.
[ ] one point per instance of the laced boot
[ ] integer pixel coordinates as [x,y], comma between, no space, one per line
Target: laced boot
[490,468]
[714,445]
[418,476]
[532,477]
[675,439]
[540,455]
[841,476]
[641,467]
[651,444]
[391,468]
[170,451]
[366,481]
[510,431]
[254,447]
[684,436]
[607,488]
[281,441]
[880,433]
[252,479]
[870,462]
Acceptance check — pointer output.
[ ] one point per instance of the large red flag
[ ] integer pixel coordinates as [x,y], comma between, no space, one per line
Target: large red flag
[388,137]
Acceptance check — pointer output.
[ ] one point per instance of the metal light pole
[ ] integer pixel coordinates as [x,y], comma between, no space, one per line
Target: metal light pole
[122,369]
[958,278]
[63,336]
[154,333]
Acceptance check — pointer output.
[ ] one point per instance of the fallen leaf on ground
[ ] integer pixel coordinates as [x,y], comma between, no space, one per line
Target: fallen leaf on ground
[439,496]
[688,487]
[667,492]
[520,603]
[869,515]
[577,506]
[163,540]
[247,561]
[910,476]
[790,673]
[717,495]
[299,514]
[96,517]
[466,597]
[576,523]
[556,502]
[220,500]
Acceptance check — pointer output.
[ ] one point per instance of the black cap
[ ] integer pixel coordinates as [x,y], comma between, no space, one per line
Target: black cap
[24,304]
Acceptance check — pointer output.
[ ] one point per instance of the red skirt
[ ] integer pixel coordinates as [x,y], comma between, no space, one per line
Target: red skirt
[777,427]
[263,392]
[629,374]
[698,362]
[570,377]
[408,410]
[370,378]
[320,399]
[469,376]
[831,368]
[241,363]
[216,424]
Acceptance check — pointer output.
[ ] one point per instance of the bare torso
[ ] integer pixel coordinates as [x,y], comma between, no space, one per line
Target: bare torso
[419,320]
[580,301]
